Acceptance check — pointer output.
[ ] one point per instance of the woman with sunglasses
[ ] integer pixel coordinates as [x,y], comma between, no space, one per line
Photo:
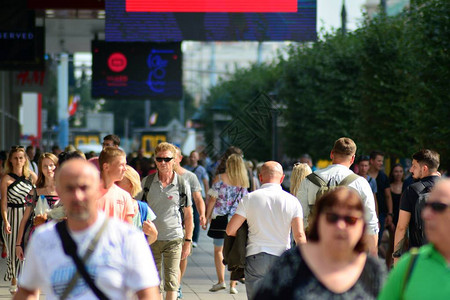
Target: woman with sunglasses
[15,186]
[225,194]
[334,264]
[45,185]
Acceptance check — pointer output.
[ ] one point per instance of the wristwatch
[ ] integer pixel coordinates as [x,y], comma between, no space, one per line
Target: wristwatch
[188,240]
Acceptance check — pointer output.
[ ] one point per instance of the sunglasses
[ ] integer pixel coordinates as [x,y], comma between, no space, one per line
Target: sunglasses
[436,206]
[166,159]
[333,218]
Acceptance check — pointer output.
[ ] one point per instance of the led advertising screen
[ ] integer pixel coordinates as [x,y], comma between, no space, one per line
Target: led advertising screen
[211,20]
[137,70]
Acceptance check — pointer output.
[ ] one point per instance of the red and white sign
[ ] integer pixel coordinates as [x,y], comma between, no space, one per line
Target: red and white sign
[222,6]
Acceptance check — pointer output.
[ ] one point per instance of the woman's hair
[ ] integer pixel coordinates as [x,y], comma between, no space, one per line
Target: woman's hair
[344,197]
[133,177]
[236,171]
[223,160]
[299,172]
[9,166]
[391,175]
[41,178]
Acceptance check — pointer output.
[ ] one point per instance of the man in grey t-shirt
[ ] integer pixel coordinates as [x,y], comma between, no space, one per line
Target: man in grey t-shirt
[163,197]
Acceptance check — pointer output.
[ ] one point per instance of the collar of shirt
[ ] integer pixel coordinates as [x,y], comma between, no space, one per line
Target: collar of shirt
[174,181]
[270,185]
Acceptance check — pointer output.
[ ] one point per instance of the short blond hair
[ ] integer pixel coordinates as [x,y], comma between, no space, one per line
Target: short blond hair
[135,180]
[344,147]
[108,154]
[236,171]
[164,146]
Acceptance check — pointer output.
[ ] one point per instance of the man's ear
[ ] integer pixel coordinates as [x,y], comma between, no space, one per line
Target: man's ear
[331,155]
[282,178]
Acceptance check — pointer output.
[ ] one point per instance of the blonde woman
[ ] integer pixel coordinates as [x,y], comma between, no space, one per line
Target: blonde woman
[225,194]
[15,186]
[299,172]
[143,214]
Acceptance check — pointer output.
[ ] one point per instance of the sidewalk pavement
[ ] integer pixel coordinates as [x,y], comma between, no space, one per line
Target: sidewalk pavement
[199,278]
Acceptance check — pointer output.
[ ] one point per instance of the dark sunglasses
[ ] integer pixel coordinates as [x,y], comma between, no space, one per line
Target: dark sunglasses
[166,159]
[333,218]
[436,206]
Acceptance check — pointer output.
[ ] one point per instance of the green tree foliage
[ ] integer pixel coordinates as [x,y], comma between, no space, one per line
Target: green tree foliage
[386,85]
[232,97]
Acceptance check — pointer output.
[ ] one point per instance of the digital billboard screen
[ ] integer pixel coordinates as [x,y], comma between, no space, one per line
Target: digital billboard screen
[211,20]
[136,70]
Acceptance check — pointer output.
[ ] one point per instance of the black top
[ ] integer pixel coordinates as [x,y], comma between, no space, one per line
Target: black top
[408,203]
[291,278]
[382,185]
[395,206]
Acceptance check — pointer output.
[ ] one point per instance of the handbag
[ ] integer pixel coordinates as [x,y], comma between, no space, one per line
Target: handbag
[217,227]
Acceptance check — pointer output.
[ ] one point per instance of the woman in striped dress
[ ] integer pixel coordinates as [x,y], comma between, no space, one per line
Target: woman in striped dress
[15,186]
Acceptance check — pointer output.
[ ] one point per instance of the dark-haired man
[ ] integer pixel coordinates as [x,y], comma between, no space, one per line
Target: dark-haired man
[424,168]
[110,140]
[383,194]
[343,156]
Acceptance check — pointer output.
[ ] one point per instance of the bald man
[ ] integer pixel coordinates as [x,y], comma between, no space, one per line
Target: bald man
[120,264]
[271,213]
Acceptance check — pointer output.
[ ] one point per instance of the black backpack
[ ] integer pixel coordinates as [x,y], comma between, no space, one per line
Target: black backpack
[181,190]
[423,191]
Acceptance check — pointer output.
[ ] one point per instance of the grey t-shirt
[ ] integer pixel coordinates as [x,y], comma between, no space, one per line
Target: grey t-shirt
[192,180]
[165,203]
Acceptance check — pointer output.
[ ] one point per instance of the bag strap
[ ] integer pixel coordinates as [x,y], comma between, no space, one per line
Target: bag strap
[147,184]
[348,180]
[418,188]
[414,255]
[317,180]
[181,190]
[70,249]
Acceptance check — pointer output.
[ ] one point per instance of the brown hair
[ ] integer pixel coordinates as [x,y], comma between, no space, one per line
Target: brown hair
[41,178]
[427,157]
[114,138]
[344,147]
[108,154]
[339,197]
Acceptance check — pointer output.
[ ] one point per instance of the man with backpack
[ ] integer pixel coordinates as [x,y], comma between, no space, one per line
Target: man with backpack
[168,195]
[339,174]
[424,169]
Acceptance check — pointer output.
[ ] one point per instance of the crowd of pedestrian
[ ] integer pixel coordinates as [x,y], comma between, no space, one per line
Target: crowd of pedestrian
[115,227]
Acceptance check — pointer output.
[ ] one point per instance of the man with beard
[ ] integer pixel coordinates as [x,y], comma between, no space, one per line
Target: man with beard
[120,262]
[424,169]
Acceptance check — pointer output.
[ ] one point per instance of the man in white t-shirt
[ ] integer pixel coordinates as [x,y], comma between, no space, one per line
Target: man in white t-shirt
[270,213]
[342,156]
[121,264]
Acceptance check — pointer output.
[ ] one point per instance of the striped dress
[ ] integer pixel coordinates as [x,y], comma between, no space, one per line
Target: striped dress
[16,193]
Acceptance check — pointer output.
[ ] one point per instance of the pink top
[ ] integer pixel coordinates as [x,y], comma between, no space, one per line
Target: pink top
[116,203]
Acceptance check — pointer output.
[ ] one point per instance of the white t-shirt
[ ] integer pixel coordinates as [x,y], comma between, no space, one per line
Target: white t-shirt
[121,264]
[336,173]
[269,212]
